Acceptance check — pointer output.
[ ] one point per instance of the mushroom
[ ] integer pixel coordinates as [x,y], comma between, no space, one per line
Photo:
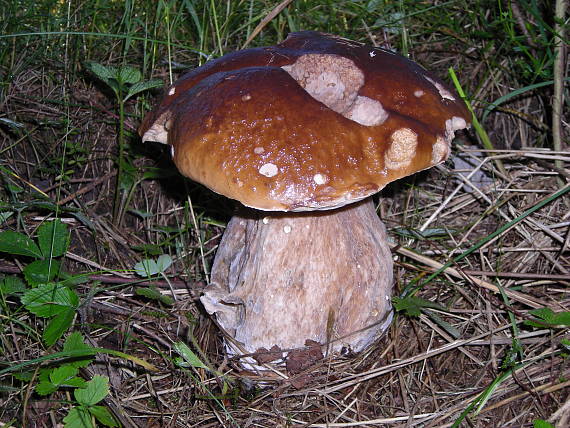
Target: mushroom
[303,134]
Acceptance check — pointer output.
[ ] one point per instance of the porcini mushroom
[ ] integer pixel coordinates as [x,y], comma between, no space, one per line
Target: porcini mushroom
[303,133]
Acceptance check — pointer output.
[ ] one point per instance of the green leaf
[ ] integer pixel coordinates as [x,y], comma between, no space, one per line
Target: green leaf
[413,306]
[41,271]
[78,417]
[546,317]
[129,75]
[150,267]
[102,72]
[95,390]
[49,300]
[60,375]
[45,387]
[58,325]
[154,294]
[163,262]
[75,342]
[103,415]
[11,285]
[18,244]
[142,86]
[539,423]
[64,376]
[189,358]
[54,232]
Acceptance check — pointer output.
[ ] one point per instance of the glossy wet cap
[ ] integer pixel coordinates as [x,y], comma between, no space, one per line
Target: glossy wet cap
[316,122]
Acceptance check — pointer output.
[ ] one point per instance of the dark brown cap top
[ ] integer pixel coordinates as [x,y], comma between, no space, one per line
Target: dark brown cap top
[316,122]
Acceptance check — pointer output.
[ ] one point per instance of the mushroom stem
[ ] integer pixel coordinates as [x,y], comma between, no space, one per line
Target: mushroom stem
[282,278]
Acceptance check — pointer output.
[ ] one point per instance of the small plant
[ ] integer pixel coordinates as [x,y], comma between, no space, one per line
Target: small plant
[125,82]
[148,268]
[46,291]
[81,415]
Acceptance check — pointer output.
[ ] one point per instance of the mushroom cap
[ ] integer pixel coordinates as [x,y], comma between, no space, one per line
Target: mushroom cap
[316,122]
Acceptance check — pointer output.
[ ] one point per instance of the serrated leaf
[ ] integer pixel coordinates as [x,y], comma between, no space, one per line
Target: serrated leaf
[49,300]
[78,417]
[189,358]
[45,387]
[95,390]
[74,342]
[10,285]
[143,86]
[41,271]
[103,415]
[102,72]
[129,75]
[18,244]
[58,325]
[61,374]
[53,238]
[24,376]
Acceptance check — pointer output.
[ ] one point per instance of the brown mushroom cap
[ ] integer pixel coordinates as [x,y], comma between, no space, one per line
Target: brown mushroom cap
[315,122]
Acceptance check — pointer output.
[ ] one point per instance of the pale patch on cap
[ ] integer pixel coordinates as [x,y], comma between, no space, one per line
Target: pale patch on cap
[402,150]
[320,178]
[440,150]
[367,112]
[269,170]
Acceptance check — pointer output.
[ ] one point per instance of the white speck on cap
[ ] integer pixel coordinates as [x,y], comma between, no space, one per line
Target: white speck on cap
[320,178]
[419,93]
[258,150]
[246,97]
[269,170]
[287,229]
[372,54]
[265,220]
[444,93]
[172,91]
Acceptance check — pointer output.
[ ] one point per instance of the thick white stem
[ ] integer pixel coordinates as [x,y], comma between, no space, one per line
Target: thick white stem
[282,278]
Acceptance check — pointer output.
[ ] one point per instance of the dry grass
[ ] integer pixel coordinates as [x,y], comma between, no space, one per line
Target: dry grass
[424,372]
